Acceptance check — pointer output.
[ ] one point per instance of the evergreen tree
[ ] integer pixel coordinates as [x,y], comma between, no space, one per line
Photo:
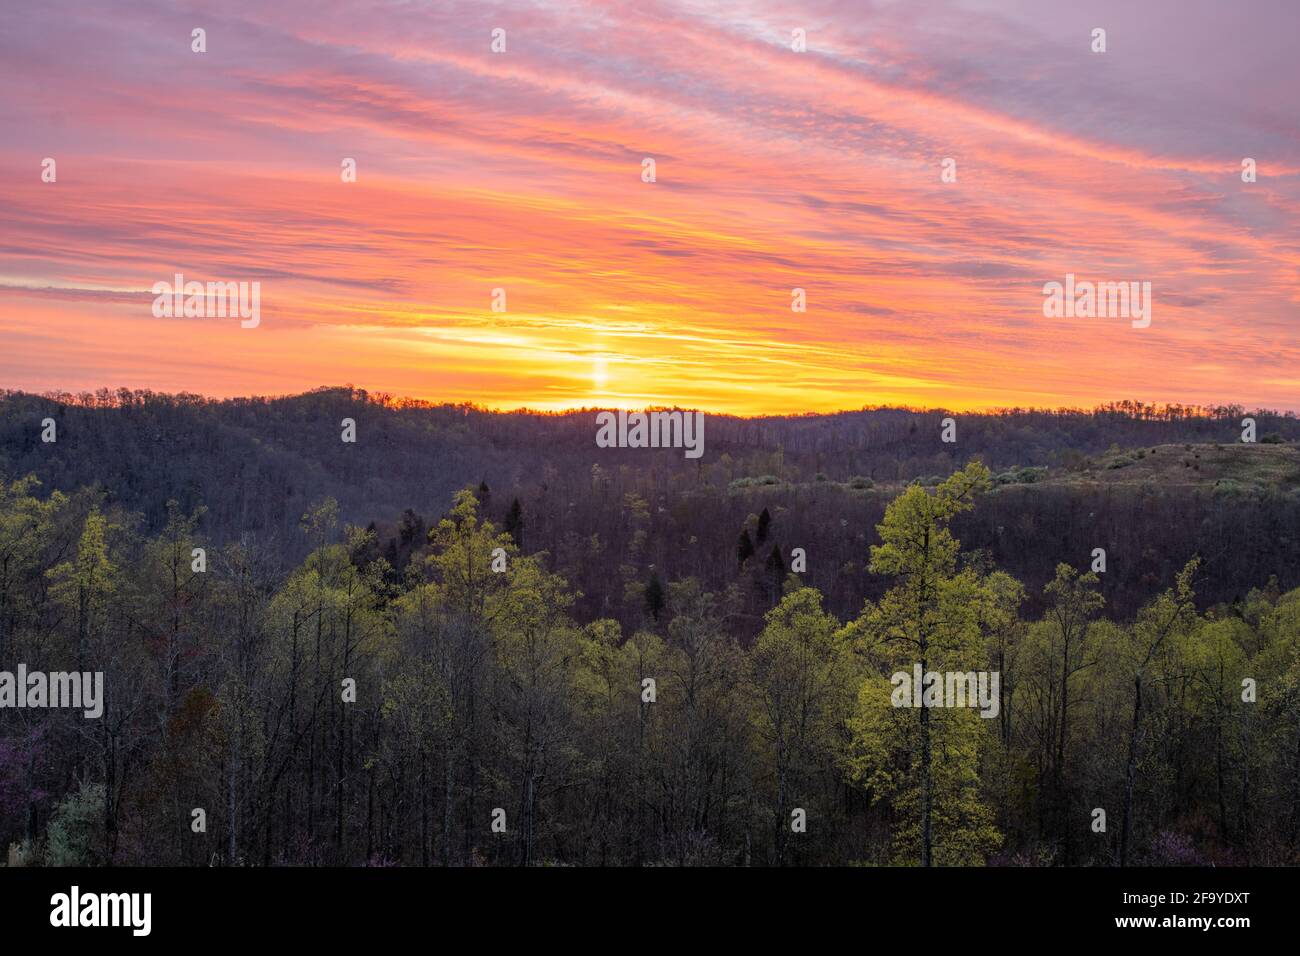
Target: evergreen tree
[514,523]
[775,574]
[411,530]
[744,547]
[654,596]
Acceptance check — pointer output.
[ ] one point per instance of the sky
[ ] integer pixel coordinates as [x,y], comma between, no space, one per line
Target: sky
[774,169]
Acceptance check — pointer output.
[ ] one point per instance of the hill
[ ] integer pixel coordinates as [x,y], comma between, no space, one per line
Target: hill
[1151,485]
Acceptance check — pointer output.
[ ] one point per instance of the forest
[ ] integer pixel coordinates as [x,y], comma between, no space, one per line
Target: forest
[585,656]
[1153,485]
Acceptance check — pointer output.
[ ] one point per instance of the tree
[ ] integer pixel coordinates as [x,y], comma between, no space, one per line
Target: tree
[411,531]
[537,648]
[654,596]
[85,585]
[1217,664]
[775,570]
[701,773]
[744,548]
[1073,602]
[802,675]
[76,828]
[1153,636]
[175,588]
[927,617]
[514,523]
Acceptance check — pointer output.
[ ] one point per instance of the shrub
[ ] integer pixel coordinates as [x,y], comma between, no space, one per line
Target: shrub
[76,831]
[1021,476]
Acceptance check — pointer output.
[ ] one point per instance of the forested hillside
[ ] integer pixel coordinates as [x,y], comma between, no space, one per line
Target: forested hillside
[476,638]
[1152,486]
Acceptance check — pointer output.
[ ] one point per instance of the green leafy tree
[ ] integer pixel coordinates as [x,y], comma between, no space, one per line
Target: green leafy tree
[1146,660]
[76,830]
[802,674]
[929,617]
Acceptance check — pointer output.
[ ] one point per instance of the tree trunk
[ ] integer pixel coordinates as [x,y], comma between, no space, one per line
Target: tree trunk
[1130,777]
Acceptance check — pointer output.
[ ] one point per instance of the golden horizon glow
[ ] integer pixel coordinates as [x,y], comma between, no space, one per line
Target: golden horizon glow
[774,171]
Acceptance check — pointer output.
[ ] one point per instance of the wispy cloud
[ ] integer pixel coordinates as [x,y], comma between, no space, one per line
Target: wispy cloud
[775,170]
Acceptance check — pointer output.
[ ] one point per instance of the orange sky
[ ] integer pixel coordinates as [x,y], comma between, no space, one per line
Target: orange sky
[775,170]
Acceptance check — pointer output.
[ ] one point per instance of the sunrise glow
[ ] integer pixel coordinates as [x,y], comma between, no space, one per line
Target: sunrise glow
[775,170]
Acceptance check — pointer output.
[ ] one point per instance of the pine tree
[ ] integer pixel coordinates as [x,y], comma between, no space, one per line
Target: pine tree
[514,524]
[744,548]
[411,529]
[764,519]
[775,574]
[654,596]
